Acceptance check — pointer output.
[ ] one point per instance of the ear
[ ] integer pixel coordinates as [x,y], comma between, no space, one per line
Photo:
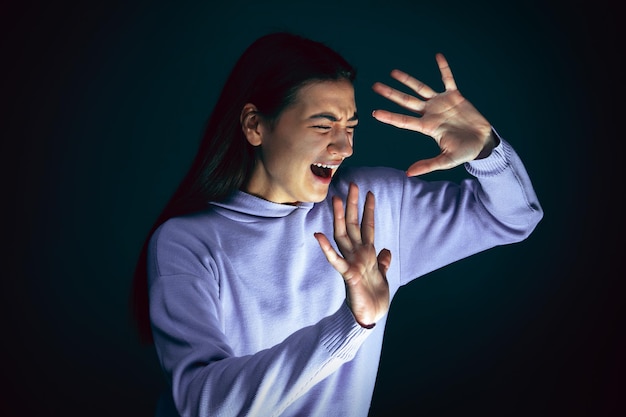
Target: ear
[250,124]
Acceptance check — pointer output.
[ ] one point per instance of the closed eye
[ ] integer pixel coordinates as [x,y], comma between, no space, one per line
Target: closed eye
[329,127]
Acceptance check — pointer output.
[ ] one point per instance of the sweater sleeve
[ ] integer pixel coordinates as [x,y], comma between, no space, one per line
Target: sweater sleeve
[442,222]
[207,378]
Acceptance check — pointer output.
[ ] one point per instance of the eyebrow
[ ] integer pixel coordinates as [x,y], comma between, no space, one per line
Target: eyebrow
[332,118]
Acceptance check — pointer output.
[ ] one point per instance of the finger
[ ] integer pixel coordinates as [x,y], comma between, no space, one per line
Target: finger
[446,72]
[405,100]
[352,214]
[424,166]
[339,227]
[401,121]
[367,224]
[332,256]
[414,84]
[384,260]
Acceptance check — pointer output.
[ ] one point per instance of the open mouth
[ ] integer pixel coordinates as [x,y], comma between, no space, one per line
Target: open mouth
[323,171]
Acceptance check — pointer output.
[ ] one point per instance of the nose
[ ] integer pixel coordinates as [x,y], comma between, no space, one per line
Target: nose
[341,144]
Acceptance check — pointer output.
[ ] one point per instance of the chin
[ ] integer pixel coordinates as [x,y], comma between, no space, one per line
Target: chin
[316,197]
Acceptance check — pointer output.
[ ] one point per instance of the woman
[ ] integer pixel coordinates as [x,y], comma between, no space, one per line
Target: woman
[247,307]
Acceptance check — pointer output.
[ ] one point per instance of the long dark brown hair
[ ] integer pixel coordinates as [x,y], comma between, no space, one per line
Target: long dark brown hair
[268,74]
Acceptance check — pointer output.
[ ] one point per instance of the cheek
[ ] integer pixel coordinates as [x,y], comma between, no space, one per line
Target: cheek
[291,150]
[282,161]
[290,153]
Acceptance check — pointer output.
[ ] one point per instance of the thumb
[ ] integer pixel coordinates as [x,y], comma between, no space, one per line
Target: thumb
[384,260]
[424,166]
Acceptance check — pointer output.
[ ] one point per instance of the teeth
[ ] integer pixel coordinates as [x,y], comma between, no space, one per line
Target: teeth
[325,166]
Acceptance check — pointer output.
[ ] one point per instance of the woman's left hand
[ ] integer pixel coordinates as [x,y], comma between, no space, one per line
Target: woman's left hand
[461,132]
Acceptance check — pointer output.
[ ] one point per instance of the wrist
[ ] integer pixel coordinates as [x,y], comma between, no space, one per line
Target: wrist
[490,144]
[361,323]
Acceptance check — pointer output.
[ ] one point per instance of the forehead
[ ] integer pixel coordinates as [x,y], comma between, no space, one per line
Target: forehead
[329,96]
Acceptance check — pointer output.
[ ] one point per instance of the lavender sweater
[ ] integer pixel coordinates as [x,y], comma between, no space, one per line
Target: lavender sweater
[250,319]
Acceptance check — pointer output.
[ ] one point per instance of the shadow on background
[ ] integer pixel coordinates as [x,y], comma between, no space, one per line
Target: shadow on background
[104,104]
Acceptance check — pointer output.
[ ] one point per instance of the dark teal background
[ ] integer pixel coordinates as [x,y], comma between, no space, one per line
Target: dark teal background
[104,104]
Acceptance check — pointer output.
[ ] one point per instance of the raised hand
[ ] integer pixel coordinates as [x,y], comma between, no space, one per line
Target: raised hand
[364,273]
[461,132]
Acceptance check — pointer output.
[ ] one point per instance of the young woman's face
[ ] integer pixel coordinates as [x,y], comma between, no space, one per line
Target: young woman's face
[299,156]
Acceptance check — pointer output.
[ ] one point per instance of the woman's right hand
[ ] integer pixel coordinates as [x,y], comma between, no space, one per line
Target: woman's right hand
[364,272]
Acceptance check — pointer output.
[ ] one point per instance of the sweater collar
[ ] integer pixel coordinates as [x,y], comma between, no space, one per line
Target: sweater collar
[244,203]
